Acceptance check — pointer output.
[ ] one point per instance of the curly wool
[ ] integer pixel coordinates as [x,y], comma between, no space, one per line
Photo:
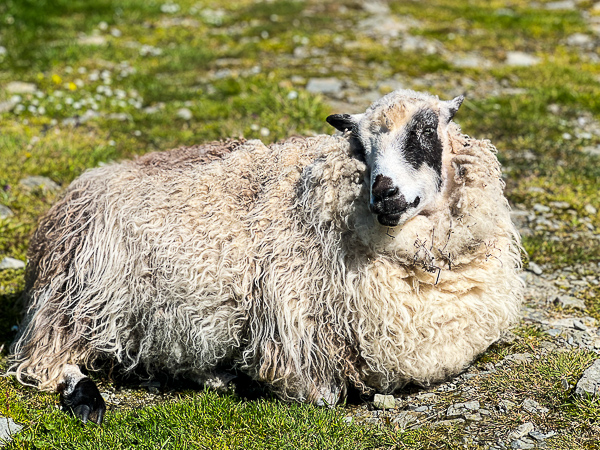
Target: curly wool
[267,259]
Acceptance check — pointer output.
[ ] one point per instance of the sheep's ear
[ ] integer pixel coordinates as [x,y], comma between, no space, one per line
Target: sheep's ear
[451,106]
[344,122]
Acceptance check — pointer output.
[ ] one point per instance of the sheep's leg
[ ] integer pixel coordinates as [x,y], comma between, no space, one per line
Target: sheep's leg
[81,396]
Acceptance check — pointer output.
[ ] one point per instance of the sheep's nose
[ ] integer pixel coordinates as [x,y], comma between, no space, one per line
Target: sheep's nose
[383,188]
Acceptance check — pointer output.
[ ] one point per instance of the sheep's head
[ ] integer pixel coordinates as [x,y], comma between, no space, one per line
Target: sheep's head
[401,138]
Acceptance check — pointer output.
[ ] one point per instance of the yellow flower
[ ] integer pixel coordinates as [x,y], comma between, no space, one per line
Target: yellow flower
[72,86]
[56,79]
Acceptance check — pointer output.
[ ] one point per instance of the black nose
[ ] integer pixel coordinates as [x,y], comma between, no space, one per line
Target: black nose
[383,188]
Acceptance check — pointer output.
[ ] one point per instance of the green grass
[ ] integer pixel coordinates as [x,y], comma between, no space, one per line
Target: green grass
[151,63]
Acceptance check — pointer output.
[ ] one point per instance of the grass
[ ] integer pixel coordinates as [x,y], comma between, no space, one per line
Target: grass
[113,79]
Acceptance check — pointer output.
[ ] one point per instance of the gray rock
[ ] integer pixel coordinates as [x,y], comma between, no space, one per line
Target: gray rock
[185,114]
[92,40]
[470,60]
[579,40]
[448,423]
[554,332]
[19,87]
[459,409]
[39,182]
[521,444]
[590,209]
[386,25]
[533,407]
[324,85]
[376,7]
[8,428]
[533,267]
[592,150]
[384,401]
[473,417]
[404,419]
[521,59]
[538,436]
[568,301]
[7,106]
[538,207]
[589,383]
[565,4]
[5,212]
[11,263]
[521,430]
[518,358]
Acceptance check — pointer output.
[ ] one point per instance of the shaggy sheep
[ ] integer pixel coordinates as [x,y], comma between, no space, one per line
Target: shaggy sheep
[371,259]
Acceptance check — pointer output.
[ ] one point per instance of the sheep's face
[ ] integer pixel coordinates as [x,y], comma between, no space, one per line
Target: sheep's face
[401,138]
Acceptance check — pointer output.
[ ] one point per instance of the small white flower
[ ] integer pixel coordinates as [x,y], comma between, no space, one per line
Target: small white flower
[58,107]
[69,101]
[42,110]
[32,109]
[112,143]
[292,95]
[103,26]
[254,127]
[265,132]
[116,32]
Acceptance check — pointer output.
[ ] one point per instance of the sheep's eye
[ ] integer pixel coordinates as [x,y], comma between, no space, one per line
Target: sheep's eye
[428,131]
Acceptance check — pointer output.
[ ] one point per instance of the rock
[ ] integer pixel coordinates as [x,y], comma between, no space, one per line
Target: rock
[589,383]
[565,4]
[447,423]
[533,407]
[538,207]
[39,182]
[471,60]
[11,263]
[323,85]
[579,40]
[521,444]
[507,405]
[91,40]
[7,106]
[472,417]
[386,25]
[376,7]
[567,301]
[384,401]
[592,150]
[521,59]
[521,430]
[459,409]
[8,428]
[590,209]
[5,212]
[533,267]
[538,436]
[406,418]
[560,205]
[185,114]
[19,87]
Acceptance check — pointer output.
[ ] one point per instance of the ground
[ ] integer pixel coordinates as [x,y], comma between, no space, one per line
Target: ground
[83,83]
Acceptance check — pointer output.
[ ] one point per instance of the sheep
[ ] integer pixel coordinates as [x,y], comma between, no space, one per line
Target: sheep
[372,258]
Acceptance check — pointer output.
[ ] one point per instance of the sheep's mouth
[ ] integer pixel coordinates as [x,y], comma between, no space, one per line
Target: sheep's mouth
[389,220]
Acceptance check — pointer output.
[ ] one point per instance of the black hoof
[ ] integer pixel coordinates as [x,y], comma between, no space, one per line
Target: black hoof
[84,401]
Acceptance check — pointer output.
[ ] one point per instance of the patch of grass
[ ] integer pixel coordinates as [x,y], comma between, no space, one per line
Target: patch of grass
[202,420]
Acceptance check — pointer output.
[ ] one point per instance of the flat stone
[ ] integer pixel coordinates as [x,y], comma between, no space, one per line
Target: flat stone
[473,417]
[92,40]
[554,332]
[7,106]
[568,301]
[533,407]
[564,5]
[8,428]
[521,430]
[518,358]
[386,25]
[324,85]
[448,423]
[590,209]
[538,207]
[185,114]
[459,409]
[579,40]
[537,435]
[521,59]
[592,150]
[11,263]
[39,182]
[589,383]
[384,401]
[20,87]
[471,60]
[5,212]
[533,267]
[520,444]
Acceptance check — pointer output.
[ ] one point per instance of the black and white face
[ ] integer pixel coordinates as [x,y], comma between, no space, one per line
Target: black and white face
[402,143]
